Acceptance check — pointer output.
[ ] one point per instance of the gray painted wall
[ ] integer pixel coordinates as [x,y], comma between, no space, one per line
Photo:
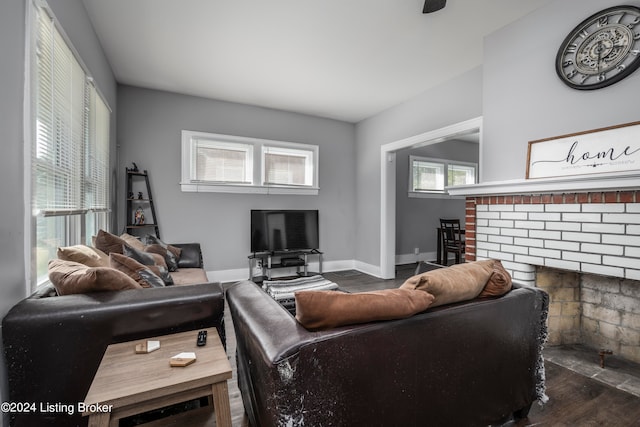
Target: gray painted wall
[72,15]
[519,96]
[149,130]
[524,99]
[418,218]
[11,161]
[458,100]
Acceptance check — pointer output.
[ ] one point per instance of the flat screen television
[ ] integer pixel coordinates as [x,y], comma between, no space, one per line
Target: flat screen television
[284,230]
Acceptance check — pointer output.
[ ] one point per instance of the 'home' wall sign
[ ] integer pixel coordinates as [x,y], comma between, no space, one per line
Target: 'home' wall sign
[606,150]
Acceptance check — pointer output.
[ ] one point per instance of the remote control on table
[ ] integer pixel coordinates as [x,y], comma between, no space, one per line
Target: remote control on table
[202,338]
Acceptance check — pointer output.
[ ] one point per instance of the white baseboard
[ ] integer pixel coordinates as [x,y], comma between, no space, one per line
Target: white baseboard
[413,258]
[373,270]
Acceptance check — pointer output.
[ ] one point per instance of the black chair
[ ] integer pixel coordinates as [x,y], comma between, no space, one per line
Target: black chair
[451,239]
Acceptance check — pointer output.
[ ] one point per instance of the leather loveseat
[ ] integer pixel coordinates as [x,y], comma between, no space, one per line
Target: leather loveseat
[54,344]
[465,364]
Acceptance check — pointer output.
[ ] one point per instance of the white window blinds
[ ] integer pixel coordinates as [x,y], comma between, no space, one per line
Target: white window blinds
[428,176]
[70,145]
[223,162]
[96,194]
[60,115]
[284,166]
[236,164]
[71,149]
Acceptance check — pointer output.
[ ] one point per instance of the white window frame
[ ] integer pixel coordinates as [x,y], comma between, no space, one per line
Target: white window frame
[247,149]
[445,163]
[78,222]
[258,147]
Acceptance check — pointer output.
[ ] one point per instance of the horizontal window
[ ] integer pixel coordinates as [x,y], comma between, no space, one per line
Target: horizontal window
[233,164]
[431,176]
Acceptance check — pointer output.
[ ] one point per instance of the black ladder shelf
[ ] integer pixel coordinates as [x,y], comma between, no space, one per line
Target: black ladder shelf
[142,201]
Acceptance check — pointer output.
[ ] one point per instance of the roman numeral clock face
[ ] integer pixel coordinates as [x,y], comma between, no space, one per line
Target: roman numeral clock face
[602,50]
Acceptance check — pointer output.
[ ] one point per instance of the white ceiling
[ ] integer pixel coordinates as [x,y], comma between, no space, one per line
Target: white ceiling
[341,59]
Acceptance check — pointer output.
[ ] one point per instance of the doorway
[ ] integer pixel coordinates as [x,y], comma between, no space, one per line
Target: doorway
[388,182]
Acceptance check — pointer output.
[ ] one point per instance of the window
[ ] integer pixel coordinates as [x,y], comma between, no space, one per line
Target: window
[287,166]
[69,148]
[225,163]
[431,176]
[461,174]
[222,162]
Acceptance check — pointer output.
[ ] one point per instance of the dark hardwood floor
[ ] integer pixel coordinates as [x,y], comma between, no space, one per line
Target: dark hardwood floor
[574,400]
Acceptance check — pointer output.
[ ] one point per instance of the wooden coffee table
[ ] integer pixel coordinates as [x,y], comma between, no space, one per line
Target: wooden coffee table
[127,383]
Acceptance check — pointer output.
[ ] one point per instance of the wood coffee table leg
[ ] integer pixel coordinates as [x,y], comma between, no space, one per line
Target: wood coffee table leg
[221,404]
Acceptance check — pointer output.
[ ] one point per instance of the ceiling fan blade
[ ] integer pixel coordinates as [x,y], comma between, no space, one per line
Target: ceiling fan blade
[433,5]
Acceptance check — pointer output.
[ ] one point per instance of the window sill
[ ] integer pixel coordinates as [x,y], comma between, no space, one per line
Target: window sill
[424,195]
[248,189]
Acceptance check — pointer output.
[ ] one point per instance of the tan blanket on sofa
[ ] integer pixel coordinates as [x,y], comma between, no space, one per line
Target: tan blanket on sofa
[462,282]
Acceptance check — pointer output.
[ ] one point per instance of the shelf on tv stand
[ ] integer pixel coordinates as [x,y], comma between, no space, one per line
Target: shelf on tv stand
[275,260]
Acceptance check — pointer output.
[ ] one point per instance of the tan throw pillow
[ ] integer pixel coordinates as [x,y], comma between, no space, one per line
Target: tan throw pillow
[459,282]
[328,309]
[70,277]
[132,241]
[138,272]
[108,242]
[500,282]
[91,257]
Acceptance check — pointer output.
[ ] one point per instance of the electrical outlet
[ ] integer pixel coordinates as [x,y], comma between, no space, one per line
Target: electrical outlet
[416,251]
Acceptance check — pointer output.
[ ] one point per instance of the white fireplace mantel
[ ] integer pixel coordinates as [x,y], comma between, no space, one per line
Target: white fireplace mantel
[595,182]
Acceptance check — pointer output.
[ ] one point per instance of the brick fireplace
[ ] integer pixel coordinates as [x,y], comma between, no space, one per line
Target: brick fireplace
[583,247]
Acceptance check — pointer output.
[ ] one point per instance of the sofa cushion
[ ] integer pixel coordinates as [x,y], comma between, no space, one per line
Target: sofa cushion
[189,276]
[499,283]
[143,257]
[108,242]
[138,272]
[132,241]
[459,282]
[70,277]
[169,257]
[155,261]
[153,240]
[328,309]
[91,257]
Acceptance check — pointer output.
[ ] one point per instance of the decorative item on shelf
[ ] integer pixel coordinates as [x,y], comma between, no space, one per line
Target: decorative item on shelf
[601,50]
[139,217]
[140,209]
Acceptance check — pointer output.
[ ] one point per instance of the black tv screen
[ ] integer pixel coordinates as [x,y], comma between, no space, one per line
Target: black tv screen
[284,230]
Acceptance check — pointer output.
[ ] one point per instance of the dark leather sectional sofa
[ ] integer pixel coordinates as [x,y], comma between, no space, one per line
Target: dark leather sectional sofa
[54,344]
[466,364]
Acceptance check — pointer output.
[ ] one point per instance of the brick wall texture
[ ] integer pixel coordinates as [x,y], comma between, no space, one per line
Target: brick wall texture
[583,248]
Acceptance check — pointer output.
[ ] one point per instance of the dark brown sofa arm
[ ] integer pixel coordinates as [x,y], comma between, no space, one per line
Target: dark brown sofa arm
[53,345]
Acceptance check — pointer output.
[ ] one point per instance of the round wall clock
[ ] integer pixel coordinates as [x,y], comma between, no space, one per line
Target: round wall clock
[601,50]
